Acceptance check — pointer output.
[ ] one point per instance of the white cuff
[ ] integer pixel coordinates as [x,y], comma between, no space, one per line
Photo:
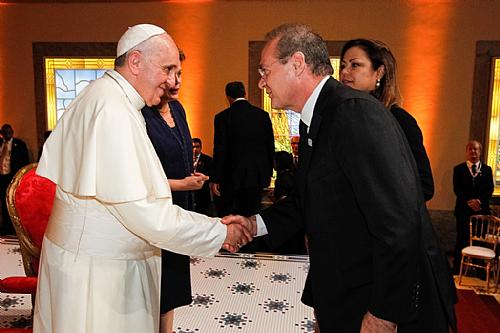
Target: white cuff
[261,226]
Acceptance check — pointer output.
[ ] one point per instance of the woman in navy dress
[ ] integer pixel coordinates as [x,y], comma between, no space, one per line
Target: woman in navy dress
[168,130]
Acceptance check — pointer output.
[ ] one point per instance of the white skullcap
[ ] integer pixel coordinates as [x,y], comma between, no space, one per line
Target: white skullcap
[136,35]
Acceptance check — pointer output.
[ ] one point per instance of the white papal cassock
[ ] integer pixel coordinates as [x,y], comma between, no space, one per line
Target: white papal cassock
[99,269]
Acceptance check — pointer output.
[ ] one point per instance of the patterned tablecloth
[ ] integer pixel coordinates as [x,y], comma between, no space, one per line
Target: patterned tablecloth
[246,293]
[15,309]
[231,293]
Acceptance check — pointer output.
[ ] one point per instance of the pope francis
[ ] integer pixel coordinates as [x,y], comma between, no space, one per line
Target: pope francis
[99,269]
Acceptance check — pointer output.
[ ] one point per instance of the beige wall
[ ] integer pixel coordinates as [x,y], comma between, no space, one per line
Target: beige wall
[434,42]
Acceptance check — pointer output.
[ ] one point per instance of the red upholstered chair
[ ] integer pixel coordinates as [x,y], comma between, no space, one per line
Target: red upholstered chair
[29,201]
[18,285]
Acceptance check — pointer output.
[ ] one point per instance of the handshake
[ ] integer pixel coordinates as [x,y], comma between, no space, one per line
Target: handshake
[240,231]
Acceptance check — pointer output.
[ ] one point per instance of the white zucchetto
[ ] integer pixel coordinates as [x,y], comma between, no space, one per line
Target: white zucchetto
[136,35]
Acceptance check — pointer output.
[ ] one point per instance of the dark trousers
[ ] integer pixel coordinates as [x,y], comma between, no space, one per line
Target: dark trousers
[462,240]
[246,202]
[175,281]
[347,317]
[7,227]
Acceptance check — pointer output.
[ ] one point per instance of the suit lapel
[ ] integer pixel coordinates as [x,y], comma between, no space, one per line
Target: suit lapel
[308,144]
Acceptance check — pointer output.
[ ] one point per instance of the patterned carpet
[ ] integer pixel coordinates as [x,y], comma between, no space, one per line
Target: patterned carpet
[231,293]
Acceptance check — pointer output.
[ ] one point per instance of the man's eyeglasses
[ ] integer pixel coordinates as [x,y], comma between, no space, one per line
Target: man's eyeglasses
[264,71]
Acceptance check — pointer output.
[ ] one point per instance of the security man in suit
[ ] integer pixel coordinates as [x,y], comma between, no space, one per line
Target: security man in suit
[473,186]
[202,163]
[13,156]
[375,264]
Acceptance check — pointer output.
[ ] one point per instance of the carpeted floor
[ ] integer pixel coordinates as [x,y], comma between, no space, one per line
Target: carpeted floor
[477,313]
[478,310]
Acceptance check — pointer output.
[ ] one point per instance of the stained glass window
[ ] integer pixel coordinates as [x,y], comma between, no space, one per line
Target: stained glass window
[286,122]
[494,140]
[65,78]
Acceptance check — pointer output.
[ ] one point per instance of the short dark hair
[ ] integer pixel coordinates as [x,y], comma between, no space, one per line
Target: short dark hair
[6,126]
[197,140]
[235,89]
[301,38]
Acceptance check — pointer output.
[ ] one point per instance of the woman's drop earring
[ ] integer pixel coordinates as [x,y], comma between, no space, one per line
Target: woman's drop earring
[377,85]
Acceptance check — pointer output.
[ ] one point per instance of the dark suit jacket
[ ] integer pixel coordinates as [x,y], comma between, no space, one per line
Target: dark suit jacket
[359,197]
[466,188]
[416,142]
[19,155]
[243,147]
[202,196]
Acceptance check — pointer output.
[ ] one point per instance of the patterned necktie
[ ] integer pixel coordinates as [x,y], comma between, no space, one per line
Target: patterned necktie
[474,170]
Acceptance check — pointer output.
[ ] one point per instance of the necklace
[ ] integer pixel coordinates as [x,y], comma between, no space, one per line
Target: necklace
[167,116]
[164,112]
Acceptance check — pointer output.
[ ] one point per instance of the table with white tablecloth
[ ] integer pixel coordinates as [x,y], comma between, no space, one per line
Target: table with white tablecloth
[231,293]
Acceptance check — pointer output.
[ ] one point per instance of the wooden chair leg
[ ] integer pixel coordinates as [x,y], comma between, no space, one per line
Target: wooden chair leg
[461,271]
[497,274]
[488,267]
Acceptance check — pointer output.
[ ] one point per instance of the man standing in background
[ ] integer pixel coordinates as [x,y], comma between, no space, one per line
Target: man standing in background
[202,163]
[243,154]
[473,186]
[294,143]
[13,156]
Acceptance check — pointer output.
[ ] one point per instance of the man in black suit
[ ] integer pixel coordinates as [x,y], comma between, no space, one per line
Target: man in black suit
[375,265]
[473,186]
[13,156]
[294,143]
[243,154]
[202,163]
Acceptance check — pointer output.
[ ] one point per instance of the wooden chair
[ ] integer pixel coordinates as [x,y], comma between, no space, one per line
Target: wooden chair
[29,201]
[498,273]
[481,252]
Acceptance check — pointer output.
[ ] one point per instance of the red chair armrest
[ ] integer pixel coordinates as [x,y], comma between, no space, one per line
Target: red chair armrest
[18,285]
